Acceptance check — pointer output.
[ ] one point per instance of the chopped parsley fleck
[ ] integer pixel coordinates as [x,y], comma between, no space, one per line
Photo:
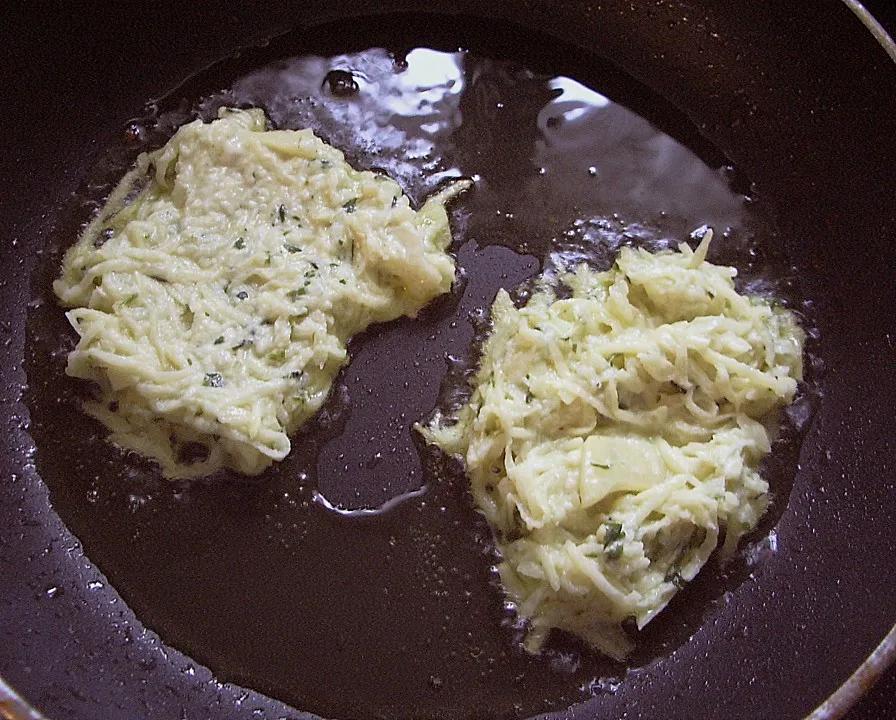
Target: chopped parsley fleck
[240,244]
[296,294]
[281,213]
[350,206]
[614,550]
[292,248]
[242,295]
[602,466]
[614,537]
[342,281]
[101,239]
[613,531]
[219,339]
[673,575]
[213,380]
[296,374]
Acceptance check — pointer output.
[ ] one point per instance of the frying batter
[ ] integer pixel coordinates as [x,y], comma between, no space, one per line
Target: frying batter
[216,291]
[612,437]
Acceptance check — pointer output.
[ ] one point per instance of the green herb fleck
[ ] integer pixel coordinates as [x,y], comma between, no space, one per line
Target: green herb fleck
[292,248]
[171,171]
[673,575]
[281,213]
[296,294]
[219,339]
[101,239]
[342,281]
[602,466]
[350,206]
[614,537]
[129,300]
[614,550]
[613,531]
[240,244]
[242,295]
[213,380]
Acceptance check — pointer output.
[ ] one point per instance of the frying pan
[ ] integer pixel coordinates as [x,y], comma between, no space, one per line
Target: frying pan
[799,97]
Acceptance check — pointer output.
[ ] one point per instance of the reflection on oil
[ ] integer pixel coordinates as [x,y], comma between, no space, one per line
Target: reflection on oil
[400,113]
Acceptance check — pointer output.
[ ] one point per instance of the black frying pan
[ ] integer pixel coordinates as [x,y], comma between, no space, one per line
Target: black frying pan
[395,615]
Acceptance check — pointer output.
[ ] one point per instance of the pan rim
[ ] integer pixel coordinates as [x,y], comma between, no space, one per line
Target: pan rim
[883,656]
[860,682]
[13,706]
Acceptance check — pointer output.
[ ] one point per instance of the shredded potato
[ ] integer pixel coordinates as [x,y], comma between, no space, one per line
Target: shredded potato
[613,436]
[215,292]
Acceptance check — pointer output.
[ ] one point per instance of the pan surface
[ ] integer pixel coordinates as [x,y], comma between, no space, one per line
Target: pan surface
[394,614]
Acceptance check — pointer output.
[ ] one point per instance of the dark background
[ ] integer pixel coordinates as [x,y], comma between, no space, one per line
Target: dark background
[880,702]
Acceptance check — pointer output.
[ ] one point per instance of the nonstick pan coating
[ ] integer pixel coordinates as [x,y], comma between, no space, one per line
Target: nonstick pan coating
[760,84]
